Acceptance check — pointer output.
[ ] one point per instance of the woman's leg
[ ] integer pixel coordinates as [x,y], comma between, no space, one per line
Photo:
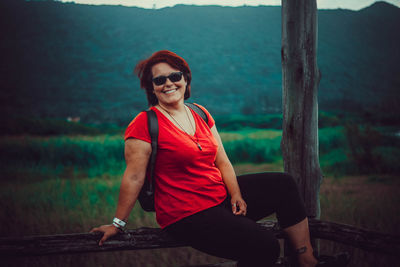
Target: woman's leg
[272,192]
[299,236]
[266,193]
[218,232]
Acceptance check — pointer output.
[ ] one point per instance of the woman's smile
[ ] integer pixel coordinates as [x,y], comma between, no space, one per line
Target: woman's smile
[170,91]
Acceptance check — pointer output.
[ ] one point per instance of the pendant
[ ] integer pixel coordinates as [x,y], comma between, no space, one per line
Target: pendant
[199,146]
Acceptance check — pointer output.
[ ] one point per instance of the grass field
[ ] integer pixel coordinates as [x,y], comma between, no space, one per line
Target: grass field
[69,184]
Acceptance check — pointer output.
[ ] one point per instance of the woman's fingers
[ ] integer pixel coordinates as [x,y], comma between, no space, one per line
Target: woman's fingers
[242,208]
[107,230]
[103,239]
[94,230]
[239,207]
[234,208]
[102,228]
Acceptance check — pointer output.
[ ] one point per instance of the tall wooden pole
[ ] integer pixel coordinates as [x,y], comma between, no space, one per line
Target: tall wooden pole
[300,108]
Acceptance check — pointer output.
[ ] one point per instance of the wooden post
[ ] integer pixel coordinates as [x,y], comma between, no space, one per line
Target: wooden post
[300,78]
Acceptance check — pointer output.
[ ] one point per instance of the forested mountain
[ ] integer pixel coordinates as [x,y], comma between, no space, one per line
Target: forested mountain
[64,59]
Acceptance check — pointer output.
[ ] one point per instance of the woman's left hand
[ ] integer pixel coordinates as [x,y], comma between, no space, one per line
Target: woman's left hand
[239,206]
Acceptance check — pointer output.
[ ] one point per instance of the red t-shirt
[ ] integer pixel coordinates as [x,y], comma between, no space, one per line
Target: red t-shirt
[186,178]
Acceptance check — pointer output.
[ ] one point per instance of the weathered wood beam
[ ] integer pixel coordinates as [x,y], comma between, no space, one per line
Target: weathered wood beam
[365,239]
[142,238]
[300,80]
[149,238]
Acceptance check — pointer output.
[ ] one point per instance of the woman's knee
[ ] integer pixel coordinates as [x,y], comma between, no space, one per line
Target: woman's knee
[287,182]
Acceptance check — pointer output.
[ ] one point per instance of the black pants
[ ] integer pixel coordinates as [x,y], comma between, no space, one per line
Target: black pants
[217,231]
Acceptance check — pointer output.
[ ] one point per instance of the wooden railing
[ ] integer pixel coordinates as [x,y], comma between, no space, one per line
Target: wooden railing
[151,238]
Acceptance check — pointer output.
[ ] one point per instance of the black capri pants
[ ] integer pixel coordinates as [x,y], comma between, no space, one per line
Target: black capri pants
[217,231]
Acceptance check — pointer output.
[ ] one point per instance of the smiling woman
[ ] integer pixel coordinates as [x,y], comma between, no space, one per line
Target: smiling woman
[197,198]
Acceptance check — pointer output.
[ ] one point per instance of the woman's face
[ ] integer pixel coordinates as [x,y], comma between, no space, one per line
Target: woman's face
[170,92]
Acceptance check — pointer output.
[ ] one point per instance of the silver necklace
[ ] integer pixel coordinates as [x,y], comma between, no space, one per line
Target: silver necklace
[183,129]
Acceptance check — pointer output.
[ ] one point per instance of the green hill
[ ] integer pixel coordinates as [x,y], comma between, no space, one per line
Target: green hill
[65,59]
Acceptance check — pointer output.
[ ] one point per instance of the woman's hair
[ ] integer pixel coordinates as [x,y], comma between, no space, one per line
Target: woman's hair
[143,71]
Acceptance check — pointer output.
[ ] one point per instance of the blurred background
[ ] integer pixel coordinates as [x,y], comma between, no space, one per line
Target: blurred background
[68,91]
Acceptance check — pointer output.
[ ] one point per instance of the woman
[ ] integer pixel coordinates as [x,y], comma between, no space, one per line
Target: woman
[198,198]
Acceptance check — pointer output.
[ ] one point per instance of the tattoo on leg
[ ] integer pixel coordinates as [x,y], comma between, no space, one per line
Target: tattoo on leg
[301,250]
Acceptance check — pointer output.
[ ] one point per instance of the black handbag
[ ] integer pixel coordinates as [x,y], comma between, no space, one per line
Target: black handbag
[146,195]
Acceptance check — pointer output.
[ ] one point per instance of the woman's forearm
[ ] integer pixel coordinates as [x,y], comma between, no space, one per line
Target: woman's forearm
[239,206]
[225,166]
[137,153]
[229,178]
[128,194]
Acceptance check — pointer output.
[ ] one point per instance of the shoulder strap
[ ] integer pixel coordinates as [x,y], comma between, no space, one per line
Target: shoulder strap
[198,110]
[152,123]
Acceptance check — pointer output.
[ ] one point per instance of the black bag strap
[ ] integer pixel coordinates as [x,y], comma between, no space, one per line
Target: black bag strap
[198,110]
[152,123]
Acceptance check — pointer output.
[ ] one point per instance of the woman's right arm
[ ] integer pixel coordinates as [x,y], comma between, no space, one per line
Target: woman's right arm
[137,153]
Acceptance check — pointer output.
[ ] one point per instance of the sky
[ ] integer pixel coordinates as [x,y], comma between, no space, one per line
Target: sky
[322,4]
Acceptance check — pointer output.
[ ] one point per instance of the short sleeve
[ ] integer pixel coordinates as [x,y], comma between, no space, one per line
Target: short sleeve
[138,128]
[211,121]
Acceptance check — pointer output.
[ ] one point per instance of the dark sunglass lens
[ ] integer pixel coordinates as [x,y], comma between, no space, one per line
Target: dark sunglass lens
[159,80]
[175,77]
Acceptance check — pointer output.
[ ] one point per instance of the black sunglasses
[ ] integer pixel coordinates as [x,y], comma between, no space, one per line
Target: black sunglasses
[173,77]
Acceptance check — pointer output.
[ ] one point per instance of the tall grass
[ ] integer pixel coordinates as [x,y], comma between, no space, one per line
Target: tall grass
[62,205]
[10,125]
[342,151]
[359,149]
[369,202]
[333,150]
[255,146]
[92,156]
[95,155]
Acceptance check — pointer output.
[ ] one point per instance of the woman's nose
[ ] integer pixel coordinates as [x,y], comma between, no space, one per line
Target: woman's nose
[168,82]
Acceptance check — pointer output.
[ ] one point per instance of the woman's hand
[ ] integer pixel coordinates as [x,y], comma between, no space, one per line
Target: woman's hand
[108,231]
[239,206]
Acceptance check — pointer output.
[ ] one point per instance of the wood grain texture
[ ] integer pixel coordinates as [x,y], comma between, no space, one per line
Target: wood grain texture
[300,80]
[151,238]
